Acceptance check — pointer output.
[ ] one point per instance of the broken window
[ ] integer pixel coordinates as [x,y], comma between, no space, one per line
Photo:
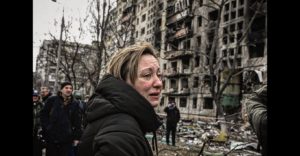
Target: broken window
[199,21]
[200,3]
[185,63]
[208,103]
[199,41]
[173,84]
[187,44]
[224,52]
[240,25]
[231,38]
[239,36]
[136,34]
[184,83]
[241,12]
[143,17]
[196,82]
[164,66]
[143,31]
[231,51]
[256,50]
[161,6]
[240,50]
[239,62]
[233,15]
[226,17]
[225,40]
[227,7]
[174,65]
[233,3]
[225,30]
[182,102]
[232,28]
[241,2]
[194,103]
[213,15]
[197,61]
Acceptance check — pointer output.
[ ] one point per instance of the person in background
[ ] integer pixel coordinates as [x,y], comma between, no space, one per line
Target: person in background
[61,122]
[45,93]
[121,111]
[173,117]
[256,108]
[37,138]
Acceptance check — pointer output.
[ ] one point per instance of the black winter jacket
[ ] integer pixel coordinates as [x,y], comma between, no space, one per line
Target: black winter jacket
[61,123]
[118,118]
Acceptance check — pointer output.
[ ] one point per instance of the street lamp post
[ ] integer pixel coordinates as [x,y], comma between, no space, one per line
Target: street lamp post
[59,53]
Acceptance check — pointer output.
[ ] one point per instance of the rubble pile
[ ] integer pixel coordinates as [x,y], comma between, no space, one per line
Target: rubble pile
[192,135]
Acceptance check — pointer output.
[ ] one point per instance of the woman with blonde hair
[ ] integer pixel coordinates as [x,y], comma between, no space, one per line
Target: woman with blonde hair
[121,110]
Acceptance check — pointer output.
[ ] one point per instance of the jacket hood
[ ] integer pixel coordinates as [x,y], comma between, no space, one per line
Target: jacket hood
[116,96]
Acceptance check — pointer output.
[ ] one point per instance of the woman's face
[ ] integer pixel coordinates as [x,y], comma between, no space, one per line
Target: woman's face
[148,82]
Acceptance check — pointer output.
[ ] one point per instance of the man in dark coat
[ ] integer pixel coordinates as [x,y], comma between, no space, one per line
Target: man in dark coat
[256,107]
[173,116]
[61,122]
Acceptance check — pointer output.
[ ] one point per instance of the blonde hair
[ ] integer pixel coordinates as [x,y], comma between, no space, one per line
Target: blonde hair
[125,62]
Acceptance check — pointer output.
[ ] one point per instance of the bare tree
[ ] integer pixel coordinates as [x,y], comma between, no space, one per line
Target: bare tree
[216,69]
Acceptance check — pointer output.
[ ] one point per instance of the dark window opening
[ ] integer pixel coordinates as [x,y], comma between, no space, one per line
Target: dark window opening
[258,24]
[194,103]
[225,40]
[233,4]
[231,51]
[240,50]
[213,15]
[199,41]
[231,38]
[226,17]
[239,62]
[224,52]
[161,6]
[174,65]
[199,21]
[232,28]
[182,102]
[185,63]
[187,44]
[164,84]
[200,3]
[210,37]
[173,84]
[184,83]
[143,17]
[143,31]
[197,61]
[227,7]
[165,66]
[241,2]
[208,103]
[256,50]
[241,12]
[240,25]
[196,82]
[233,15]
[239,36]
[224,62]
[225,30]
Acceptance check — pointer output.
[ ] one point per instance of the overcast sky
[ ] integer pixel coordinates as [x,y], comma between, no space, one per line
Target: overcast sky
[45,12]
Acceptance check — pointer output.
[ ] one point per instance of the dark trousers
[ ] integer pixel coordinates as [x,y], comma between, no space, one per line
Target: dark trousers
[58,149]
[37,147]
[171,128]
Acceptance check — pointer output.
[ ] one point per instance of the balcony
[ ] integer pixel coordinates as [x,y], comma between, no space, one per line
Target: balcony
[175,92]
[178,16]
[171,55]
[173,72]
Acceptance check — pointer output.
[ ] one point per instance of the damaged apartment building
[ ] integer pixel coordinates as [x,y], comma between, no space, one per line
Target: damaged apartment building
[183,32]
[77,56]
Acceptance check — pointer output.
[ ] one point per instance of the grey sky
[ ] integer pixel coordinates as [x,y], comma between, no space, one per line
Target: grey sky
[45,12]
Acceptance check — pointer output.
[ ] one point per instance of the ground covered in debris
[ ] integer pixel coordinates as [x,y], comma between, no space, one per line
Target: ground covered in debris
[195,136]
